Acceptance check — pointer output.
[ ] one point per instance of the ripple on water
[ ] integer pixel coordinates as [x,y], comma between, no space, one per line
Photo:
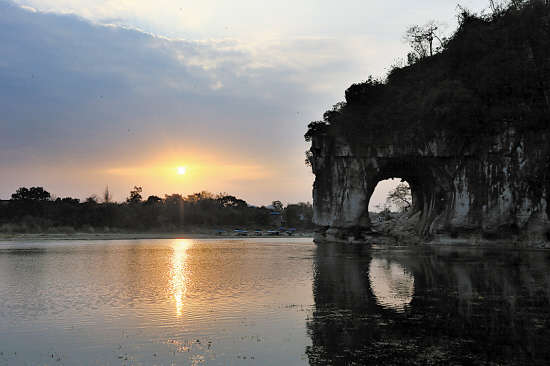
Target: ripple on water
[82,299]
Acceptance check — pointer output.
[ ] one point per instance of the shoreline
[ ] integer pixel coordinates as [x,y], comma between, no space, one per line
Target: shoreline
[438,241]
[133,236]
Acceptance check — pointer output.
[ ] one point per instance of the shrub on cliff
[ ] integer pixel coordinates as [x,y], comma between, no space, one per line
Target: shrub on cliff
[493,71]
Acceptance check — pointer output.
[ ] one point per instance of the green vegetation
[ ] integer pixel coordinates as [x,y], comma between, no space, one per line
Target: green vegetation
[492,72]
[34,210]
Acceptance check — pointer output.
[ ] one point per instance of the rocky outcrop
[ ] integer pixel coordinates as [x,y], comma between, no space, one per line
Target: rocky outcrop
[494,190]
[468,129]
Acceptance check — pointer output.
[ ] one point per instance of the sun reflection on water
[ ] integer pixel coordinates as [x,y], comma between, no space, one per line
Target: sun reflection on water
[180,273]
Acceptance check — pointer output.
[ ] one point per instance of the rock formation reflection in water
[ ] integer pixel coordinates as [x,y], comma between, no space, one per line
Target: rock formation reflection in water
[429,306]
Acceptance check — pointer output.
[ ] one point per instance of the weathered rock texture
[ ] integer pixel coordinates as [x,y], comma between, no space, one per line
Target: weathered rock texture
[469,134]
[496,191]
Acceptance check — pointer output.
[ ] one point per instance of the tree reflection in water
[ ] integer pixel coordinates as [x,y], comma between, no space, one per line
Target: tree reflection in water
[429,306]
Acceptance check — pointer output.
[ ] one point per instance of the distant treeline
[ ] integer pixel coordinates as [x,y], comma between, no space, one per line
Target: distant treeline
[34,210]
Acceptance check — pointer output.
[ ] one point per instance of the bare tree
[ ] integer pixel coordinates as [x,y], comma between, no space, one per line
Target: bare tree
[401,196]
[422,39]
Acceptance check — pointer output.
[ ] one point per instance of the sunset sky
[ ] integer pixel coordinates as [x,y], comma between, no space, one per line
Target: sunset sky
[123,92]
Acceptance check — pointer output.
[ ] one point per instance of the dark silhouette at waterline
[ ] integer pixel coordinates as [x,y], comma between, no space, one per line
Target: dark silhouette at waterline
[473,307]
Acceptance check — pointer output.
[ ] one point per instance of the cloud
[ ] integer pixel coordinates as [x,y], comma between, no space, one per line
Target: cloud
[75,93]
[62,75]
[88,86]
[260,20]
[29,8]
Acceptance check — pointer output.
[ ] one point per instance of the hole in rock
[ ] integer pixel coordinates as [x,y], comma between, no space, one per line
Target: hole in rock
[391,195]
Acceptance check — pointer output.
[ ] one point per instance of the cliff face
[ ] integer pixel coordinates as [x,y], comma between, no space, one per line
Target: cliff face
[497,191]
[468,129]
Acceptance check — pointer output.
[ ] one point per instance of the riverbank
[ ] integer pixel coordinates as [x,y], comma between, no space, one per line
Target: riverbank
[389,240]
[133,236]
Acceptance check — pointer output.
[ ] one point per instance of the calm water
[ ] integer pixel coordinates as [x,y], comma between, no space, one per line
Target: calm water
[269,302]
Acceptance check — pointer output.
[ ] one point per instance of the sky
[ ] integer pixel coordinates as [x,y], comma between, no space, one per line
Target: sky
[121,93]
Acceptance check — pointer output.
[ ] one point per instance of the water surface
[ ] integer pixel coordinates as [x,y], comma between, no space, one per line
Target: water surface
[269,302]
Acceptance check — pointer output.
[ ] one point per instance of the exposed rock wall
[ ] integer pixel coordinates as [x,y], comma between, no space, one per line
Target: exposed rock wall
[494,188]
[468,129]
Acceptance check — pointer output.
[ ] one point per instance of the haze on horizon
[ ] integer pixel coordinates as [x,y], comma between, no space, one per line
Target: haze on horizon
[122,93]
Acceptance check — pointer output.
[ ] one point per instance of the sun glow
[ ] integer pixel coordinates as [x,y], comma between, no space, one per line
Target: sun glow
[186,172]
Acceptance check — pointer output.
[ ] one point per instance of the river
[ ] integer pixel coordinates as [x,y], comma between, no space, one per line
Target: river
[280,301]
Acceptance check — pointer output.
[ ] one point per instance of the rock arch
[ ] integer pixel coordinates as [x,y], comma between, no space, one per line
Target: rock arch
[494,191]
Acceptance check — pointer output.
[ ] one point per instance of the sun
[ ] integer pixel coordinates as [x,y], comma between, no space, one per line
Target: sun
[182,170]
